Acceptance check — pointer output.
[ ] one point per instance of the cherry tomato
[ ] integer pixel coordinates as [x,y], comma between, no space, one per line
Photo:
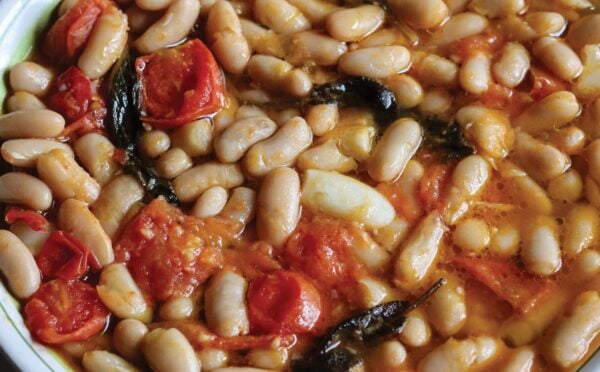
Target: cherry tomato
[64,256]
[65,311]
[72,94]
[283,302]
[34,220]
[67,37]
[179,85]
[168,253]
[432,186]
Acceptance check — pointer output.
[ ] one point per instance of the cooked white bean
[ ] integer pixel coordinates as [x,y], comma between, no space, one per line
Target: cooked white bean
[374,257]
[399,143]
[458,27]
[489,129]
[105,44]
[551,112]
[173,163]
[592,153]
[540,160]
[278,205]
[391,235]
[580,229]
[416,331]
[353,24]
[172,27]
[154,143]
[95,152]
[431,69]
[121,295]
[474,75]
[460,355]
[541,250]
[346,198]
[24,152]
[282,149]
[418,252]
[566,187]
[31,78]
[355,141]
[115,200]
[505,241]
[249,111]
[588,264]
[407,90]
[241,369]
[376,62]
[520,361]
[34,240]
[316,47]
[472,235]
[193,182]
[235,140]
[66,178]
[179,308]
[512,66]
[21,188]
[571,140]
[225,38]
[194,138]
[326,156]
[457,6]
[75,217]
[212,359]
[517,29]
[546,23]
[435,102]
[277,74]
[588,83]
[373,292]
[468,179]
[280,16]
[210,203]
[168,350]
[575,332]
[18,265]
[31,124]
[322,118]
[315,10]
[497,8]
[273,359]
[558,57]
[240,206]
[585,30]
[127,339]
[153,4]
[103,361]
[388,36]
[421,14]
[262,40]
[23,101]
[528,193]
[139,20]
[225,304]
[447,309]
[389,355]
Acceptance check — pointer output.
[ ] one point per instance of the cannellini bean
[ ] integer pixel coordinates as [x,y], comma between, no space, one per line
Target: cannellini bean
[571,140]
[280,16]
[66,178]
[225,306]
[21,188]
[458,27]
[127,339]
[353,24]
[389,355]
[409,184]
[314,46]
[277,74]
[558,57]
[153,4]
[278,206]
[273,359]
[373,291]
[282,149]
[168,350]
[95,152]
[24,152]
[139,20]
[585,30]
[460,355]
[520,361]
[489,129]
[315,10]
[234,141]
[193,182]
[23,101]
[194,138]
[420,14]
[121,295]
[517,29]
[418,252]
[283,116]
[512,66]
[177,309]
[225,38]
[154,143]
[75,217]
[31,124]
[592,191]
[34,240]
[241,369]
[472,235]
[457,6]
[435,102]
[346,198]
[105,44]
[431,69]
[374,257]
[566,187]
[248,111]
[528,193]
[18,265]
[408,91]
[173,162]
[551,112]
[387,36]
[376,62]
[262,40]
[210,203]
[355,141]
[588,83]
[399,143]
[447,309]
[240,206]
[391,235]
[474,75]
[588,264]
[505,241]
[546,23]
[326,156]
[212,359]
[576,331]
[540,160]
[592,153]
[322,118]
[226,115]
[580,229]
[173,26]
[497,8]
[102,361]
[31,78]
[416,331]
[541,250]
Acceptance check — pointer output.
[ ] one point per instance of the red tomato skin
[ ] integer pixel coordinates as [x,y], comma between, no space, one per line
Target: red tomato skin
[64,256]
[180,84]
[283,302]
[32,219]
[432,186]
[544,83]
[64,311]
[73,94]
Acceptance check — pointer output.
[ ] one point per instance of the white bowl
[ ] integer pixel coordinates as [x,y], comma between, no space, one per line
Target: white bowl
[21,24]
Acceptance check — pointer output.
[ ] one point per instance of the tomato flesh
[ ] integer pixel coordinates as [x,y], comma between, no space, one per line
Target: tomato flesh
[65,311]
[32,219]
[432,186]
[179,85]
[64,256]
[283,302]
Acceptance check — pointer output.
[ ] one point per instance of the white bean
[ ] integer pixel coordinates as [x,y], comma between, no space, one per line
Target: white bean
[18,265]
[235,140]
[447,309]
[225,38]
[407,90]
[528,193]
[103,361]
[23,101]
[376,62]
[459,355]
[416,331]
[96,152]
[315,10]
[24,152]
[139,20]
[431,69]
[374,257]
[168,350]
[354,24]
[421,14]
[373,292]
[540,160]
[127,339]
[34,240]
[588,264]
[194,138]
[585,30]
[240,206]
[31,78]
[179,308]
[588,83]
[558,57]
[497,8]
[322,118]
[391,235]
[580,229]
[474,75]
[31,124]
[225,306]
[153,4]
[210,203]
[280,16]
[505,241]
[173,162]
[326,156]
[541,250]
[472,235]
[458,27]
[546,23]
[566,187]
[21,188]
[551,112]
[512,66]
[489,129]
[249,111]
[521,360]
[313,46]
[212,359]
[121,295]
[273,359]
[436,102]
[262,40]
[390,355]
[154,143]
[192,183]
[277,74]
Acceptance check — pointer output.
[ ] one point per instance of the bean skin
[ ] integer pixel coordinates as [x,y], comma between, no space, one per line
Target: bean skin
[18,265]
[21,188]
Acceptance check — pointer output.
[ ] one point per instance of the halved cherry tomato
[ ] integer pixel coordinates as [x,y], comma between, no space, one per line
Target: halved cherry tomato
[544,83]
[64,256]
[33,219]
[67,37]
[179,85]
[283,302]
[517,287]
[72,94]
[168,253]
[65,311]
[432,186]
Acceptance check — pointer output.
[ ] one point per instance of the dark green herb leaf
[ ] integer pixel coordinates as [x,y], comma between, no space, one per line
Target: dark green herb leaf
[445,138]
